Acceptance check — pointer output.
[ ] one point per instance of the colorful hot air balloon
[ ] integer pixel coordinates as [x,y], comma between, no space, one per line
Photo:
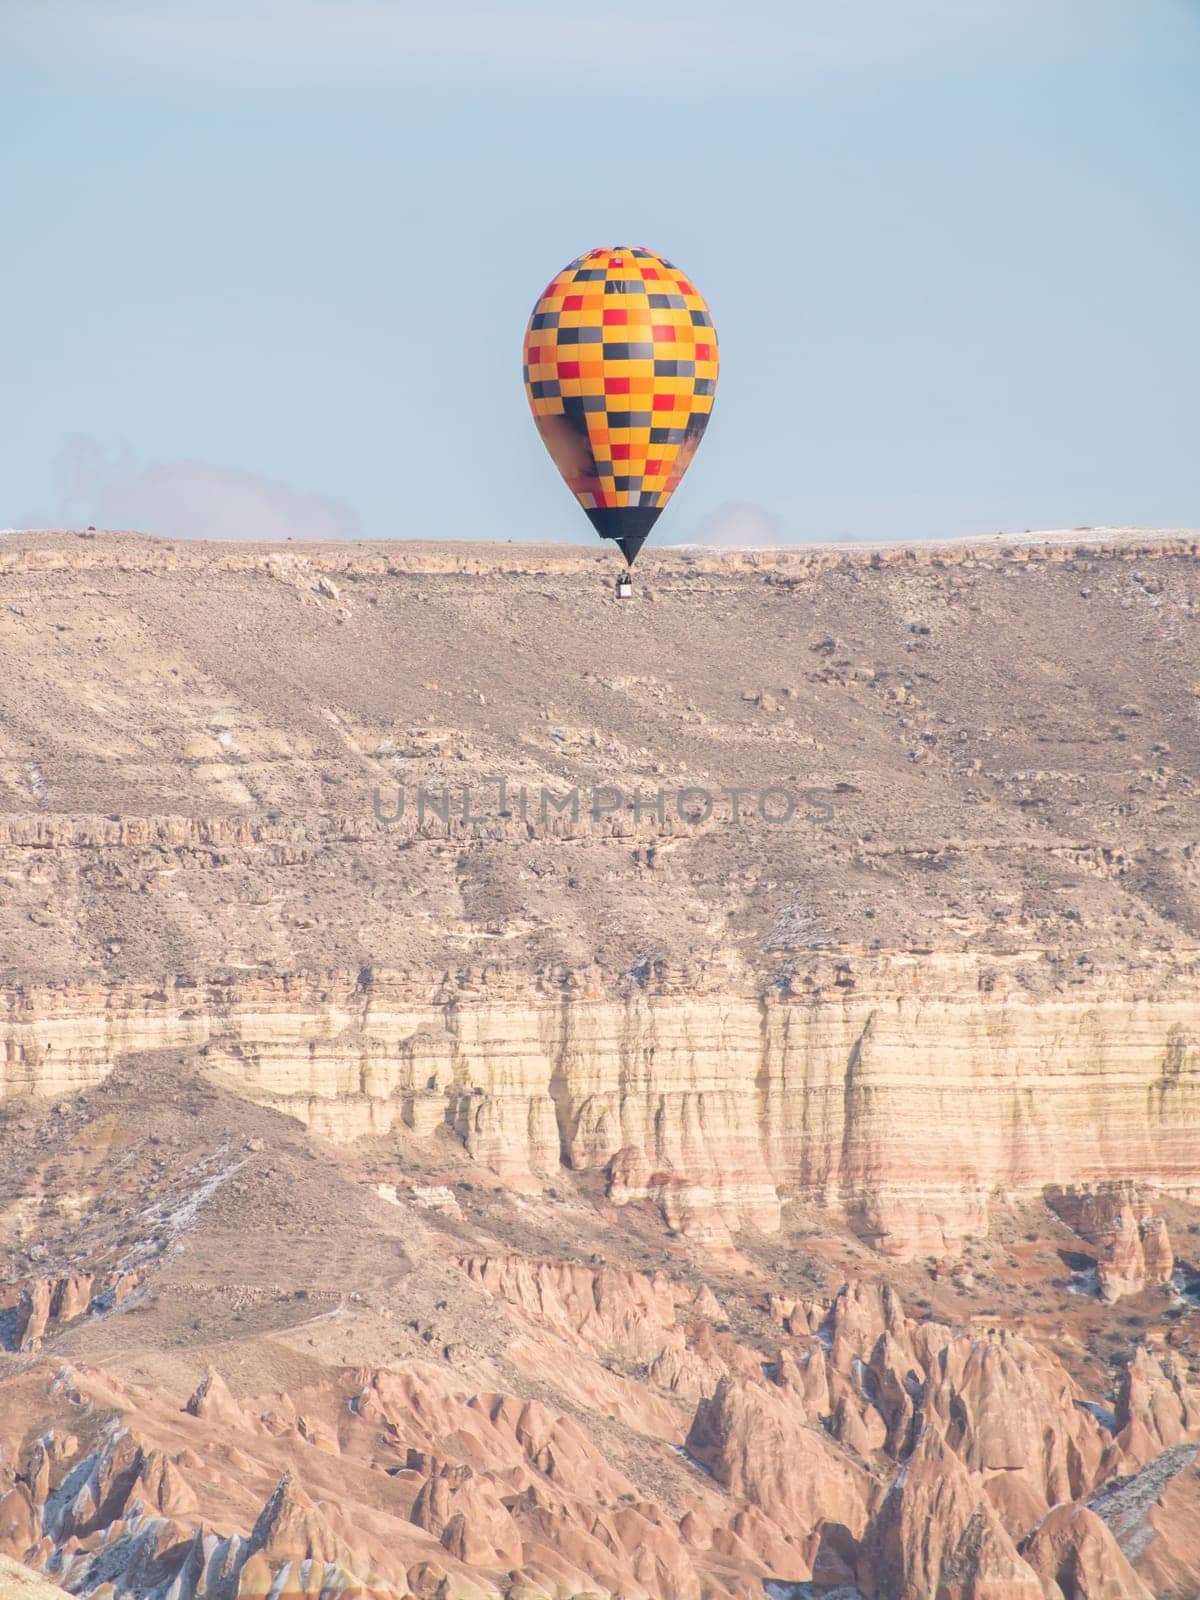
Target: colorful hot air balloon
[621,370]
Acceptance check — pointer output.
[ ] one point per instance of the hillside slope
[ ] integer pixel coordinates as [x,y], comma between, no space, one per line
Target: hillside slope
[778,1163]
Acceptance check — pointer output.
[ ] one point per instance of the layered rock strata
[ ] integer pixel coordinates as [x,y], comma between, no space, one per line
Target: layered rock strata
[906,1092]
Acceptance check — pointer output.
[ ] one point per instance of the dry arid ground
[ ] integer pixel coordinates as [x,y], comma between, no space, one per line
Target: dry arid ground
[518,1196]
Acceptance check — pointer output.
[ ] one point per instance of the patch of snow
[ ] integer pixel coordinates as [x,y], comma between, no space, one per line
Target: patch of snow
[1125,1508]
[79,1490]
[785,1589]
[225,739]
[173,1221]
[680,1450]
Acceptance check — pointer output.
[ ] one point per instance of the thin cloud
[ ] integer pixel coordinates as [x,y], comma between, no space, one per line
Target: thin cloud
[187,499]
[360,34]
[738,523]
[332,38]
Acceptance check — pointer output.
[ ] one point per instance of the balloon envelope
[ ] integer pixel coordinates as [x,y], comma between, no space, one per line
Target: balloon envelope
[621,371]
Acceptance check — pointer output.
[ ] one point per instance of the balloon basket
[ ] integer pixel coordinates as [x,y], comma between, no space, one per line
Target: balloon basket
[624,589]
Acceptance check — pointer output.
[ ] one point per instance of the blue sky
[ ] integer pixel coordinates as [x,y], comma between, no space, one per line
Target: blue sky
[268,263]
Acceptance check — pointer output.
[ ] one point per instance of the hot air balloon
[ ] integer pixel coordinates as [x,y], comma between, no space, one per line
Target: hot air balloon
[620,371]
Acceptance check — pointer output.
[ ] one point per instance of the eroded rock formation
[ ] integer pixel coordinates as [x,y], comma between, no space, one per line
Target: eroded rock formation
[805,1089]
[479,1197]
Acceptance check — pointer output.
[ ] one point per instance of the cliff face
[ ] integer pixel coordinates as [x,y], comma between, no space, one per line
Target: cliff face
[904,1093]
[238,1364]
[506,1092]
[964,967]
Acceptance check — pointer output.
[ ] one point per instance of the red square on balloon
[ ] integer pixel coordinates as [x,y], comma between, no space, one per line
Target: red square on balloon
[568,369]
[665,402]
[620,452]
[615,318]
[572,302]
[617,386]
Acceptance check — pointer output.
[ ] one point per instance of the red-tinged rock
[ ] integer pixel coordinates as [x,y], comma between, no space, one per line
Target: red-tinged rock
[1155,1518]
[109,1487]
[18,1522]
[862,1313]
[936,1535]
[607,1308]
[757,1445]
[468,1518]
[213,1401]
[857,1425]
[290,1527]
[255,1578]
[1157,1252]
[1007,1408]
[1073,1548]
[316,1433]
[1168,1561]
[1156,1408]
[1134,1248]
[33,1314]
[163,1486]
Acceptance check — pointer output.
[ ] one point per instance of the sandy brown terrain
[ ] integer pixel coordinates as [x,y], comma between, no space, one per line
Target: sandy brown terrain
[497,1200]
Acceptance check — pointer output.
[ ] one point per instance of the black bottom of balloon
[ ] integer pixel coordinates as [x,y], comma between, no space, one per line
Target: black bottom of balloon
[628,525]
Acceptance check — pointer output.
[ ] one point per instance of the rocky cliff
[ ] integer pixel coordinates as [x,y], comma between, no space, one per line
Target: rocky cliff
[904,1092]
[386,931]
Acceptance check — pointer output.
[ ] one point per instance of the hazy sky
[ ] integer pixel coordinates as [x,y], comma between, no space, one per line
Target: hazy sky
[267,263]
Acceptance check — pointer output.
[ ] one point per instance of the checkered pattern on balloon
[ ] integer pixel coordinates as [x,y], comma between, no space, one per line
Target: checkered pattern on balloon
[621,371]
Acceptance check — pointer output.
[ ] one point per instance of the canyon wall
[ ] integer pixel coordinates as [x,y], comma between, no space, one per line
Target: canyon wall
[903,1091]
[971,975]
[336,1151]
